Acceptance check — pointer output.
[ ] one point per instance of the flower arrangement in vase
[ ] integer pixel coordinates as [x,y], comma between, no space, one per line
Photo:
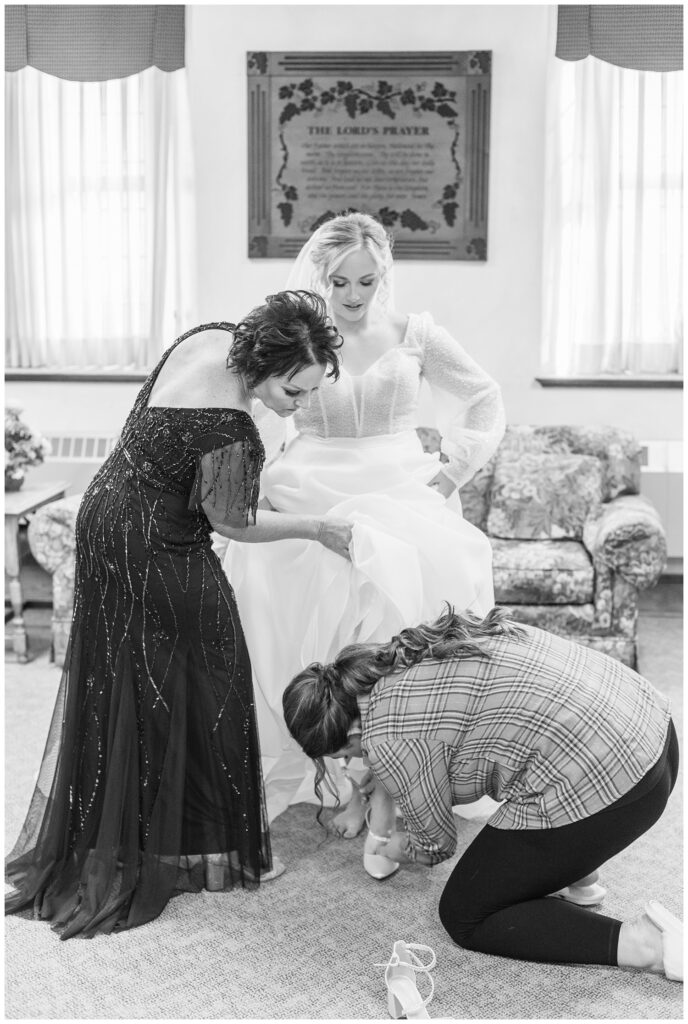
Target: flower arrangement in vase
[23,447]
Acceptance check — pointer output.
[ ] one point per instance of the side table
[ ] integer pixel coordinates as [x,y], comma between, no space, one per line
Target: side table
[17,505]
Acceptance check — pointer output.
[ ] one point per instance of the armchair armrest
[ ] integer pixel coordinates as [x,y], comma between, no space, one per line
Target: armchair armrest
[53,544]
[626,536]
[51,533]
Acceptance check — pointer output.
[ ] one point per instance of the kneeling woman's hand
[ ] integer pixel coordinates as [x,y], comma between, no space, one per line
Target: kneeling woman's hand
[399,848]
[396,848]
[335,534]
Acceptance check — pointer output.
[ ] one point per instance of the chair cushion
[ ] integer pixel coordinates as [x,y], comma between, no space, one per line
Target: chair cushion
[537,495]
[572,620]
[617,450]
[541,572]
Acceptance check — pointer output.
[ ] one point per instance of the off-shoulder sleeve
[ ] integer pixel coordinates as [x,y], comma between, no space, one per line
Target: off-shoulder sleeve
[468,403]
[227,482]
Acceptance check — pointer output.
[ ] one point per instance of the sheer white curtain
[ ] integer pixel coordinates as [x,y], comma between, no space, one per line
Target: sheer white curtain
[99,219]
[613,226]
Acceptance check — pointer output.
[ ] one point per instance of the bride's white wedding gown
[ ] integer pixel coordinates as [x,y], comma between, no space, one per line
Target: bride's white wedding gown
[357,456]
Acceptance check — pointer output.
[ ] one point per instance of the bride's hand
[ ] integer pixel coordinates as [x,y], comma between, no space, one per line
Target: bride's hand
[335,534]
[443,484]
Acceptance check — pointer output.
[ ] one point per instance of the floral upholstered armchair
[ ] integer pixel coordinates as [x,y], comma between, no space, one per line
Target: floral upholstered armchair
[573,542]
[53,544]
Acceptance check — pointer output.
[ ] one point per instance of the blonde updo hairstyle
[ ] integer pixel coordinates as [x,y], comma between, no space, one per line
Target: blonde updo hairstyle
[340,237]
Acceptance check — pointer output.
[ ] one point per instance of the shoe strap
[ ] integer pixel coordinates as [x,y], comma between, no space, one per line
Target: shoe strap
[415,964]
[427,949]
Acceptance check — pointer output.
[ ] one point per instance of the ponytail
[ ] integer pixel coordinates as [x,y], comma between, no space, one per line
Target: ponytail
[321,703]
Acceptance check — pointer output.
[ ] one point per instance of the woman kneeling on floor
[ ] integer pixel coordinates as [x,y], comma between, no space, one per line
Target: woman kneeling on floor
[580,749]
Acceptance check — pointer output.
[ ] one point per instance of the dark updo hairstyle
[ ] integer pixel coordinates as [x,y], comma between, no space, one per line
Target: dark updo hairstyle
[290,331]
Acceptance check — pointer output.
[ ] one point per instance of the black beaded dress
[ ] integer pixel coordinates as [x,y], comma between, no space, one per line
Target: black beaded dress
[150,783]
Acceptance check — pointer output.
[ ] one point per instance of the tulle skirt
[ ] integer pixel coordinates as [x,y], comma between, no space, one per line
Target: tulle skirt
[411,551]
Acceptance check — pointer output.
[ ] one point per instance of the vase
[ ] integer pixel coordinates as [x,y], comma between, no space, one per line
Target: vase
[13,481]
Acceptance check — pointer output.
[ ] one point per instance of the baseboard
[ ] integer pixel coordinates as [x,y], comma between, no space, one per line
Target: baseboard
[673,572]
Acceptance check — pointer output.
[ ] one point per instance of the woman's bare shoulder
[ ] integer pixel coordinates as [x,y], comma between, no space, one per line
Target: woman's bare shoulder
[196,374]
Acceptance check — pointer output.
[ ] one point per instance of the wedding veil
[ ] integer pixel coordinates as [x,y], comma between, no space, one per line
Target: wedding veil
[309,273]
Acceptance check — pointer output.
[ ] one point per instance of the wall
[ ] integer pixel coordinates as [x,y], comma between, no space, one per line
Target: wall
[493,308]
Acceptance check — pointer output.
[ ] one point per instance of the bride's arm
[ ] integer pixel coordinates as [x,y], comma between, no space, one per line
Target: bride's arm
[468,404]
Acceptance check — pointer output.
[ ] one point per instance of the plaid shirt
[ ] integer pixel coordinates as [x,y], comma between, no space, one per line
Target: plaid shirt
[554,729]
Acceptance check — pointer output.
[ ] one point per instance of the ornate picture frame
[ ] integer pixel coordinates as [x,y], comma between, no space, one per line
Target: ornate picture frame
[403,136]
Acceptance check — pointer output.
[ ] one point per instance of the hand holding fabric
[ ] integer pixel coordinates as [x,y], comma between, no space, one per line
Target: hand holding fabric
[335,534]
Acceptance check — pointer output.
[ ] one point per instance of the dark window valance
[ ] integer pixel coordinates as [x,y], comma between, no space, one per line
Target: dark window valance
[94,42]
[647,37]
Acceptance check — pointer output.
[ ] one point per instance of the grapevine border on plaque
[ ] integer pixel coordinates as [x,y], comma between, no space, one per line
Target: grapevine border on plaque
[425,114]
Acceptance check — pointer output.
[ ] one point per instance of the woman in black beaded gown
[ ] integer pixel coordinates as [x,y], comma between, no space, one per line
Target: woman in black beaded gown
[150,783]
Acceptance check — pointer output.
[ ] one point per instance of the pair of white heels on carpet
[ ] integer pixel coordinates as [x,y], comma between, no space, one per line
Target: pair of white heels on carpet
[403,997]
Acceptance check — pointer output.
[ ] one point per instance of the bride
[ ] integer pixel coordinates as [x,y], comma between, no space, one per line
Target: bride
[356,455]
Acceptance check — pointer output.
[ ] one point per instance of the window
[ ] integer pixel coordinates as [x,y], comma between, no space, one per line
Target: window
[613,260]
[99,219]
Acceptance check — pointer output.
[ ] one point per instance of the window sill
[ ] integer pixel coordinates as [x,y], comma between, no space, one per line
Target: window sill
[658,380]
[46,376]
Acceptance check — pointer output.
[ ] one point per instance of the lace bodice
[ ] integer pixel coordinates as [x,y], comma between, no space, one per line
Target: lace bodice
[384,399]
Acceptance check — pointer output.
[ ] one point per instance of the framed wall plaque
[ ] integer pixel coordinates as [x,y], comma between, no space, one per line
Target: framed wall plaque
[403,136]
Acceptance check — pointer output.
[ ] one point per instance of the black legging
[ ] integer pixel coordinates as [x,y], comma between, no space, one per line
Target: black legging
[494,899]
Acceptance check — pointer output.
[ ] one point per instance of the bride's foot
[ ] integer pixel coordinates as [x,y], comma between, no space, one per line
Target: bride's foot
[349,822]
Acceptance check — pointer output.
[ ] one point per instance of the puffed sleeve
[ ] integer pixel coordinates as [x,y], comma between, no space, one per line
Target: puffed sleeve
[468,403]
[227,482]
[415,773]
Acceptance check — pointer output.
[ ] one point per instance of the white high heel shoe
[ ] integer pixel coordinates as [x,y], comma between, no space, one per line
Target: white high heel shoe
[672,939]
[403,997]
[376,864]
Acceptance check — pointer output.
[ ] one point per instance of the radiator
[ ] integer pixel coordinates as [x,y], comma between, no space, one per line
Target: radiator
[662,482]
[73,459]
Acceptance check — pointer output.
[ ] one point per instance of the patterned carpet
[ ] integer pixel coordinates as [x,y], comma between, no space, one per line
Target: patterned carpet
[305,946]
